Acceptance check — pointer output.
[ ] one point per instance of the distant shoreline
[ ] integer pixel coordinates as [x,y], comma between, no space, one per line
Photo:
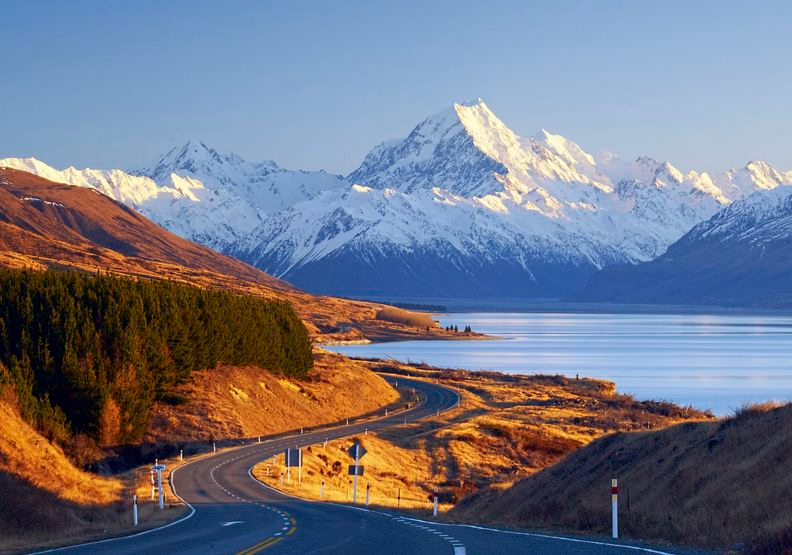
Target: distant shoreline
[440,305]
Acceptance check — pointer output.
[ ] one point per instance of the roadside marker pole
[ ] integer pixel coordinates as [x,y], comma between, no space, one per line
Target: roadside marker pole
[434,509]
[347,421]
[181,454]
[405,422]
[357,462]
[368,489]
[321,490]
[301,431]
[159,486]
[386,412]
[365,433]
[151,476]
[134,510]
[281,478]
[259,439]
[325,445]
[615,508]
[214,447]
[299,466]
[398,498]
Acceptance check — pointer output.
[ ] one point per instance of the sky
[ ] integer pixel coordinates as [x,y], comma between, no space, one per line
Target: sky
[316,84]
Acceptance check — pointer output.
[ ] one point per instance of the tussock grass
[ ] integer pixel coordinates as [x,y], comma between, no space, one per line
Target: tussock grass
[723,483]
[507,427]
[49,501]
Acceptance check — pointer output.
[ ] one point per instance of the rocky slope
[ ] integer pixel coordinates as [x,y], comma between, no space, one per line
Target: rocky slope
[742,256]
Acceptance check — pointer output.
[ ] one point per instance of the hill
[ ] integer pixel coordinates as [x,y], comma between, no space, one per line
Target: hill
[719,484]
[741,257]
[48,225]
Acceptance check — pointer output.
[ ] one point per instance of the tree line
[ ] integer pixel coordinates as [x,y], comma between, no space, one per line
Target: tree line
[90,354]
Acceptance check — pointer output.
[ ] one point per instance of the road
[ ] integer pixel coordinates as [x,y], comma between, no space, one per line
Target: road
[234,513]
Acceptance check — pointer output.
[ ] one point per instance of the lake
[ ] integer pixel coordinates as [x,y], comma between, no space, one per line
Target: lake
[717,362]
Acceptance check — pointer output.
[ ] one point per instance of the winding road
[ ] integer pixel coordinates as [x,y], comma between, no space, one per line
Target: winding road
[232,512]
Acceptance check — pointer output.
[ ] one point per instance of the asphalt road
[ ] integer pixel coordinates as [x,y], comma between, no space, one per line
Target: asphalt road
[234,513]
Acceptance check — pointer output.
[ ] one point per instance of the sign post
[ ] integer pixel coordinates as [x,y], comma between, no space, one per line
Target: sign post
[293,457]
[434,509]
[158,468]
[134,510]
[357,451]
[368,490]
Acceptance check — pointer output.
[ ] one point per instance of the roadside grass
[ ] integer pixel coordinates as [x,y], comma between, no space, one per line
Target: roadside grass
[506,427]
[49,501]
[723,484]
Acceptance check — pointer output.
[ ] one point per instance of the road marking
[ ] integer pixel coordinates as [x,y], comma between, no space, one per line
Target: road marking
[261,546]
[232,522]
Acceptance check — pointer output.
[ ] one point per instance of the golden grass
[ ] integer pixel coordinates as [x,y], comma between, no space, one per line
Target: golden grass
[241,402]
[48,501]
[506,428]
[721,484]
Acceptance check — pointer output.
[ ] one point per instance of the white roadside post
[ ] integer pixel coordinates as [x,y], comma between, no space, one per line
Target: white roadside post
[365,432]
[259,439]
[151,476]
[347,421]
[368,490]
[299,465]
[434,509]
[615,508]
[281,478]
[134,510]
[301,431]
[325,445]
[321,490]
[354,486]
[386,412]
[214,447]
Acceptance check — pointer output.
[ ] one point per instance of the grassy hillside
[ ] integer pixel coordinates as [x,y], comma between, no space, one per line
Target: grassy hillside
[242,402]
[720,484]
[507,427]
[89,355]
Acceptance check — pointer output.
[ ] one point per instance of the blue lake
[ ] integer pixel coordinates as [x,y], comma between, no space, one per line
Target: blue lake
[717,362]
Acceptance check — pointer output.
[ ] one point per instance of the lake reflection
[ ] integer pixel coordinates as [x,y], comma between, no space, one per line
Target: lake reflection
[718,362]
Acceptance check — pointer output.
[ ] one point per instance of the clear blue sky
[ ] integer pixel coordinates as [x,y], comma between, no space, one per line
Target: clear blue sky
[705,85]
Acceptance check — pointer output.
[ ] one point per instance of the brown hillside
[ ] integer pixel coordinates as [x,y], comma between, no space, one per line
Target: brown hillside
[720,484]
[231,402]
[50,225]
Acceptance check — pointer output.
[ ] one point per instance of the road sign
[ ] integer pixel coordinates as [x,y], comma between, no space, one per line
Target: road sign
[352,468]
[360,450]
[158,467]
[292,457]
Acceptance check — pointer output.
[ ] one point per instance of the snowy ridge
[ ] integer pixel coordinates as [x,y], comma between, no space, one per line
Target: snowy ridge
[462,203]
[465,188]
[195,192]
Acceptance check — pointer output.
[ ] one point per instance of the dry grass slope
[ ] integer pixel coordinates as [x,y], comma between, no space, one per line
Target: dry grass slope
[506,428]
[722,484]
[46,499]
[232,403]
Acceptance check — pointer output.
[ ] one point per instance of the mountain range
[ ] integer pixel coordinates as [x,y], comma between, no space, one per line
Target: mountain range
[741,257]
[462,206]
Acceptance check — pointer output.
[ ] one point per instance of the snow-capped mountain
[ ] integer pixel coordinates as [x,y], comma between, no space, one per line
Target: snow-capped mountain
[195,192]
[461,206]
[742,256]
[465,206]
